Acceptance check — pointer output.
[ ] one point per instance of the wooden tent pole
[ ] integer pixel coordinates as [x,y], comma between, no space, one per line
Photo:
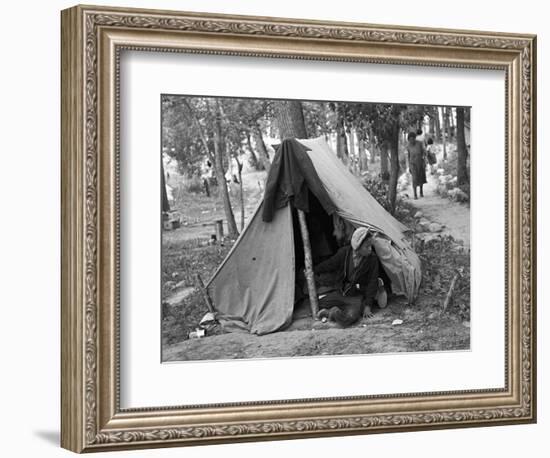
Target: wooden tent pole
[313,301]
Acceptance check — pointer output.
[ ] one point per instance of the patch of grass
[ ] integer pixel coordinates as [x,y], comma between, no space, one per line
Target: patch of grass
[441,259]
[182,260]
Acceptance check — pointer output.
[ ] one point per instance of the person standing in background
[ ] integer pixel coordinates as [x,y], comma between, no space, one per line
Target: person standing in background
[417,163]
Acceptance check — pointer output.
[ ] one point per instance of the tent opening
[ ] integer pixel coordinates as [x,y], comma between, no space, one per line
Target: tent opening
[325,240]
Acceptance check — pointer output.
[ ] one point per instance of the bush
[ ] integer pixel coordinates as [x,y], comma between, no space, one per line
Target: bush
[378,189]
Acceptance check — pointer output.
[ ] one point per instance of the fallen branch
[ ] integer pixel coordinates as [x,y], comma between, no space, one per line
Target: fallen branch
[449,295]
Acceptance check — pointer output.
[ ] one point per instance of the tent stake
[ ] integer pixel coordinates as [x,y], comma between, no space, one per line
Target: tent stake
[313,302]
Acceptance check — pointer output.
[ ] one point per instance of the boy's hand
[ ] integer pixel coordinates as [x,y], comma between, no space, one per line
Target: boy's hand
[367,312]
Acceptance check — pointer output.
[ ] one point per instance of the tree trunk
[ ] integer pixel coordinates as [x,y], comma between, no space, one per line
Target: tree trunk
[362,153]
[240,173]
[444,133]
[437,125]
[254,162]
[372,144]
[462,151]
[394,167]
[354,163]
[451,121]
[261,149]
[220,175]
[384,167]
[165,203]
[290,119]
[341,138]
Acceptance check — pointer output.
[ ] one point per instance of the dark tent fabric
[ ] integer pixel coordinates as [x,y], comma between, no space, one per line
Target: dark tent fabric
[291,177]
[253,289]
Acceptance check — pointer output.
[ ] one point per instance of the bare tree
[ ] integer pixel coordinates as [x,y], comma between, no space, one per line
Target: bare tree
[220,172]
[165,203]
[261,149]
[444,131]
[341,137]
[462,150]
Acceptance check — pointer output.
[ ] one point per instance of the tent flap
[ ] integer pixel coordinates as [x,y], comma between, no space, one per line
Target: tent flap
[254,287]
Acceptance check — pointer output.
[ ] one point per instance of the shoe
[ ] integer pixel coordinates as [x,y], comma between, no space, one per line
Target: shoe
[381,295]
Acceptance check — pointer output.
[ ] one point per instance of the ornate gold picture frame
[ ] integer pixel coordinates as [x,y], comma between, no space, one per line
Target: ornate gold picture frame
[92,40]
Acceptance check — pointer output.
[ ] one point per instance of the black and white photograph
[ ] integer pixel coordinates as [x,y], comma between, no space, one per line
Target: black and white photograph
[313,228]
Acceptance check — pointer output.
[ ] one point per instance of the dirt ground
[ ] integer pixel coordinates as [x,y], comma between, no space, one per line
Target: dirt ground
[422,326]
[423,329]
[454,216]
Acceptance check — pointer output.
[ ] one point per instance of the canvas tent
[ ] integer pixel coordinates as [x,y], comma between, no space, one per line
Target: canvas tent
[254,288]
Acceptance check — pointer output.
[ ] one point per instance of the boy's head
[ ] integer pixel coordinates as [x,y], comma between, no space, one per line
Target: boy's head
[430,141]
[361,241]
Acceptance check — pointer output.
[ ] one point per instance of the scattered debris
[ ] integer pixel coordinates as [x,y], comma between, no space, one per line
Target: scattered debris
[458,195]
[171,220]
[197,333]
[396,322]
[418,214]
[424,224]
[207,319]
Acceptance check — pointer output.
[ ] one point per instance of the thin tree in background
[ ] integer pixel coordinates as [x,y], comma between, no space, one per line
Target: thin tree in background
[451,122]
[437,124]
[393,142]
[462,150]
[384,163]
[220,172]
[341,137]
[354,163]
[372,146]
[241,191]
[254,161]
[362,150]
[165,203]
[444,132]
[261,149]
